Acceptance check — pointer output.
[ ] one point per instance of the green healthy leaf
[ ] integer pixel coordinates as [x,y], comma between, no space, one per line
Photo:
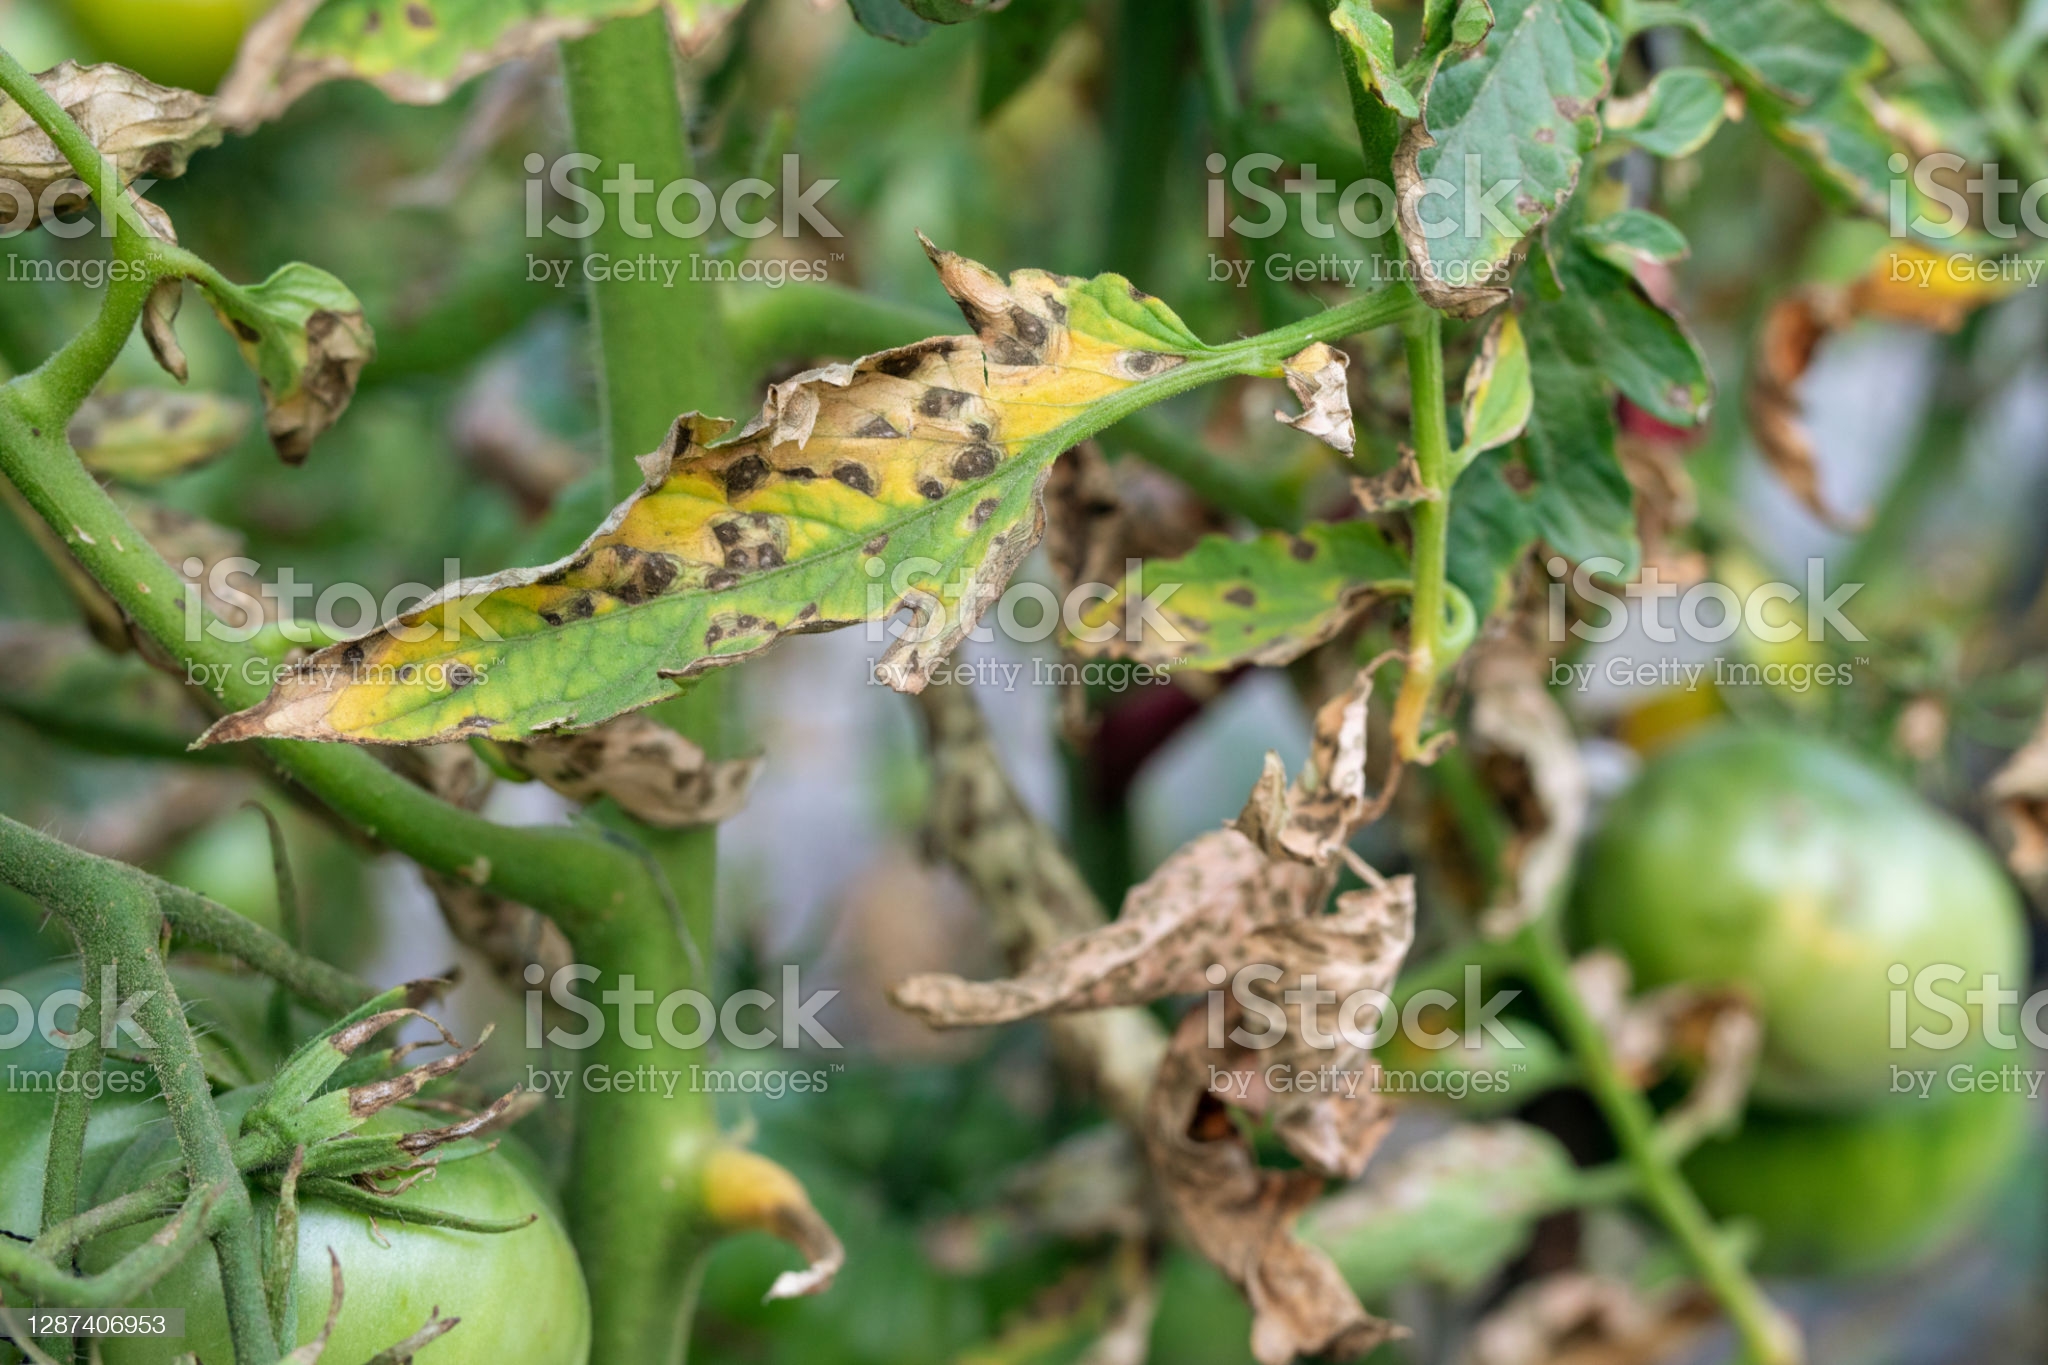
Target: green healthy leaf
[1228,602]
[420,51]
[1581,504]
[1805,71]
[1505,133]
[1607,324]
[1628,239]
[952,11]
[143,435]
[1674,116]
[1448,26]
[1800,51]
[891,19]
[1453,1210]
[1372,42]
[1015,43]
[908,478]
[304,335]
[1491,529]
[1498,396]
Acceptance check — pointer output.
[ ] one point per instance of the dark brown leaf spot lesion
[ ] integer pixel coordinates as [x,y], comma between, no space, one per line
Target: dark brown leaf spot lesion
[418,15]
[878,428]
[931,489]
[877,545]
[745,474]
[579,607]
[1029,327]
[246,332]
[460,676]
[1303,550]
[1144,364]
[1241,596]
[638,576]
[975,462]
[985,509]
[858,477]
[938,402]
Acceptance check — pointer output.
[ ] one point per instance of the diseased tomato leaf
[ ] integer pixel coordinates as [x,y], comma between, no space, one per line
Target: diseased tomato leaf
[1499,148]
[1498,396]
[1228,602]
[144,435]
[147,129]
[304,335]
[420,51]
[908,478]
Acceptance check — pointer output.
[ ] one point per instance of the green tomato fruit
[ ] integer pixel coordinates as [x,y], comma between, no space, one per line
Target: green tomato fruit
[1818,885]
[1835,1193]
[190,43]
[29,1069]
[520,1295]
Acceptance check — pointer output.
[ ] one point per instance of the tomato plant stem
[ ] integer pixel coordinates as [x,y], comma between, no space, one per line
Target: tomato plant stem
[660,352]
[110,911]
[1428,649]
[1768,1338]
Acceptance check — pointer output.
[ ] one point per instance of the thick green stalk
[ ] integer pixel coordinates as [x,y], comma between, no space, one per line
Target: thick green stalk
[1427,647]
[661,352]
[1143,124]
[1273,299]
[1767,1337]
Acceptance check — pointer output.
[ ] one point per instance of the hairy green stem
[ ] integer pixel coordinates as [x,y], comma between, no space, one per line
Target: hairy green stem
[111,908]
[1428,650]
[50,1285]
[1767,1337]
[326,987]
[660,352]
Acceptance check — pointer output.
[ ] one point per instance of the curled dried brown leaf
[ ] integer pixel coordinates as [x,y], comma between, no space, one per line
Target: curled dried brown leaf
[1316,376]
[1393,489]
[1526,750]
[1241,1216]
[744,1190]
[654,774]
[2019,796]
[148,130]
[1251,895]
[1575,1318]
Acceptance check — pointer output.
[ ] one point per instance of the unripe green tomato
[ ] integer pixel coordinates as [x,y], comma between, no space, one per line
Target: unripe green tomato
[190,43]
[1836,1193]
[227,1013]
[520,1295]
[1817,884]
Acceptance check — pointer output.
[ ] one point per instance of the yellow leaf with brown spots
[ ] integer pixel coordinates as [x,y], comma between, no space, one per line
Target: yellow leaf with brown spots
[910,478]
